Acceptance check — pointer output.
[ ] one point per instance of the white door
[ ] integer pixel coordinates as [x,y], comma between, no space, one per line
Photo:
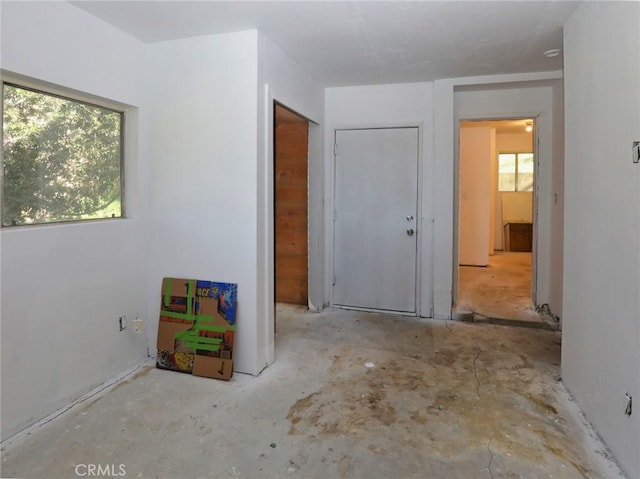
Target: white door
[375,219]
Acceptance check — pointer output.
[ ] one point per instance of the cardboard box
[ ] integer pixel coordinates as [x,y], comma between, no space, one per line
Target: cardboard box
[209,367]
[197,327]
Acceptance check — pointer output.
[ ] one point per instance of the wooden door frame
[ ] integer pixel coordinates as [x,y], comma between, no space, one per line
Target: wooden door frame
[276,107]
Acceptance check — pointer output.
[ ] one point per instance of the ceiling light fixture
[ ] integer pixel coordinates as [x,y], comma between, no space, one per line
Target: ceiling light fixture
[554,52]
[529,127]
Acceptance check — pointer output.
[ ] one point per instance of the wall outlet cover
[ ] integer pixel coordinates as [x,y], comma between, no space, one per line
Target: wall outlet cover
[137,325]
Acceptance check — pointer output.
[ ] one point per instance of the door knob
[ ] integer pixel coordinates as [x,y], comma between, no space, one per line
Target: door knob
[410,232]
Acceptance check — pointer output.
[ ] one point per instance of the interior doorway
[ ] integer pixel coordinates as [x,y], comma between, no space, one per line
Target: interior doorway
[291,220]
[497,220]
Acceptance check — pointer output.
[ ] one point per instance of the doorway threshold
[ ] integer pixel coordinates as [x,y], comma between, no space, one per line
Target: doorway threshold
[466,315]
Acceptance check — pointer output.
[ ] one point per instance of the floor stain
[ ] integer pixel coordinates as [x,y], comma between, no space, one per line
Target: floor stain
[414,414]
[542,404]
[142,372]
[563,455]
[434,404]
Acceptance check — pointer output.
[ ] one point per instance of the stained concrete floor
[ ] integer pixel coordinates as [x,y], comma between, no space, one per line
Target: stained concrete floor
[501,290]
[442,399]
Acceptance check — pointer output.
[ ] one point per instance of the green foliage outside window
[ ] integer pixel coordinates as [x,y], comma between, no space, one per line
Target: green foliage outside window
[62,159]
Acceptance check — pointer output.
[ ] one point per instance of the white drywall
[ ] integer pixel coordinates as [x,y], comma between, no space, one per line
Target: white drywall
[514,142]
[196,183]
[444,167]
[531,100]
[408,104]
[557,204]
[203,206]
[493,195]
[432,104]
[601,312]
[64,286]
[477,150]
[282,80]
[211,136]
[517,206]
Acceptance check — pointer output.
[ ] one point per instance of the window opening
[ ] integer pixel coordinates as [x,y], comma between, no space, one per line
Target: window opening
[515,172]
[62,158]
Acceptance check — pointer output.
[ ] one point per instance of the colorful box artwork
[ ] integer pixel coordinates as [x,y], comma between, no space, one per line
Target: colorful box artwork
[197,327]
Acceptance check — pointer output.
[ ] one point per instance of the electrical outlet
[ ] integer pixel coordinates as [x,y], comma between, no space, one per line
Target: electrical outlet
[122,322]
[137,325]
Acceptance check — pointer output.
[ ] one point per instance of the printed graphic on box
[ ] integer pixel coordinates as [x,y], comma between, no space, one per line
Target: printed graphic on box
[224,295]
[197,321]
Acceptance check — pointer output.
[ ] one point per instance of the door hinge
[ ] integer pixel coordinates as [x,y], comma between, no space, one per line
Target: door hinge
[335,215]
[335,149]
[333,280]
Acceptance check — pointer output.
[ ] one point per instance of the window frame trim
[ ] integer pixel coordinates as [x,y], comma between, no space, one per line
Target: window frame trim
[40,86]
[515,177]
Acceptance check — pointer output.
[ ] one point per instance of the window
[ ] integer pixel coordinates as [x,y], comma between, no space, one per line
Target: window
[62,158]
[515,172]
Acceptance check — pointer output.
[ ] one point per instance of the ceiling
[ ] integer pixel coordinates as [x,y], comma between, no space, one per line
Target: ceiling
[367,42]
[502,126]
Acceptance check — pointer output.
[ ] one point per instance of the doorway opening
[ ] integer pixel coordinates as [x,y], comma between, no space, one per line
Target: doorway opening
[497,221]
[291,219]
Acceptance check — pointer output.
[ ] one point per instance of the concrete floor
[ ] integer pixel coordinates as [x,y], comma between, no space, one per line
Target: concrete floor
[442,399]
[501,290]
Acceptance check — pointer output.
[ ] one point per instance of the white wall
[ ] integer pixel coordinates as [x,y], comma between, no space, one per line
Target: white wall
[444,167]
[408,104]
[517,207]
[433,105]
[64,286]
[211,131]
[532,100]
[601,313]
[203,215]
[282,80]
[477,152]
[514,142]
[557,205]
[196,183]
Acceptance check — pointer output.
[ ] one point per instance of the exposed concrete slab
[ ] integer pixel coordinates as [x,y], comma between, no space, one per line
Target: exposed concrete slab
[444,399]
[500,291]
